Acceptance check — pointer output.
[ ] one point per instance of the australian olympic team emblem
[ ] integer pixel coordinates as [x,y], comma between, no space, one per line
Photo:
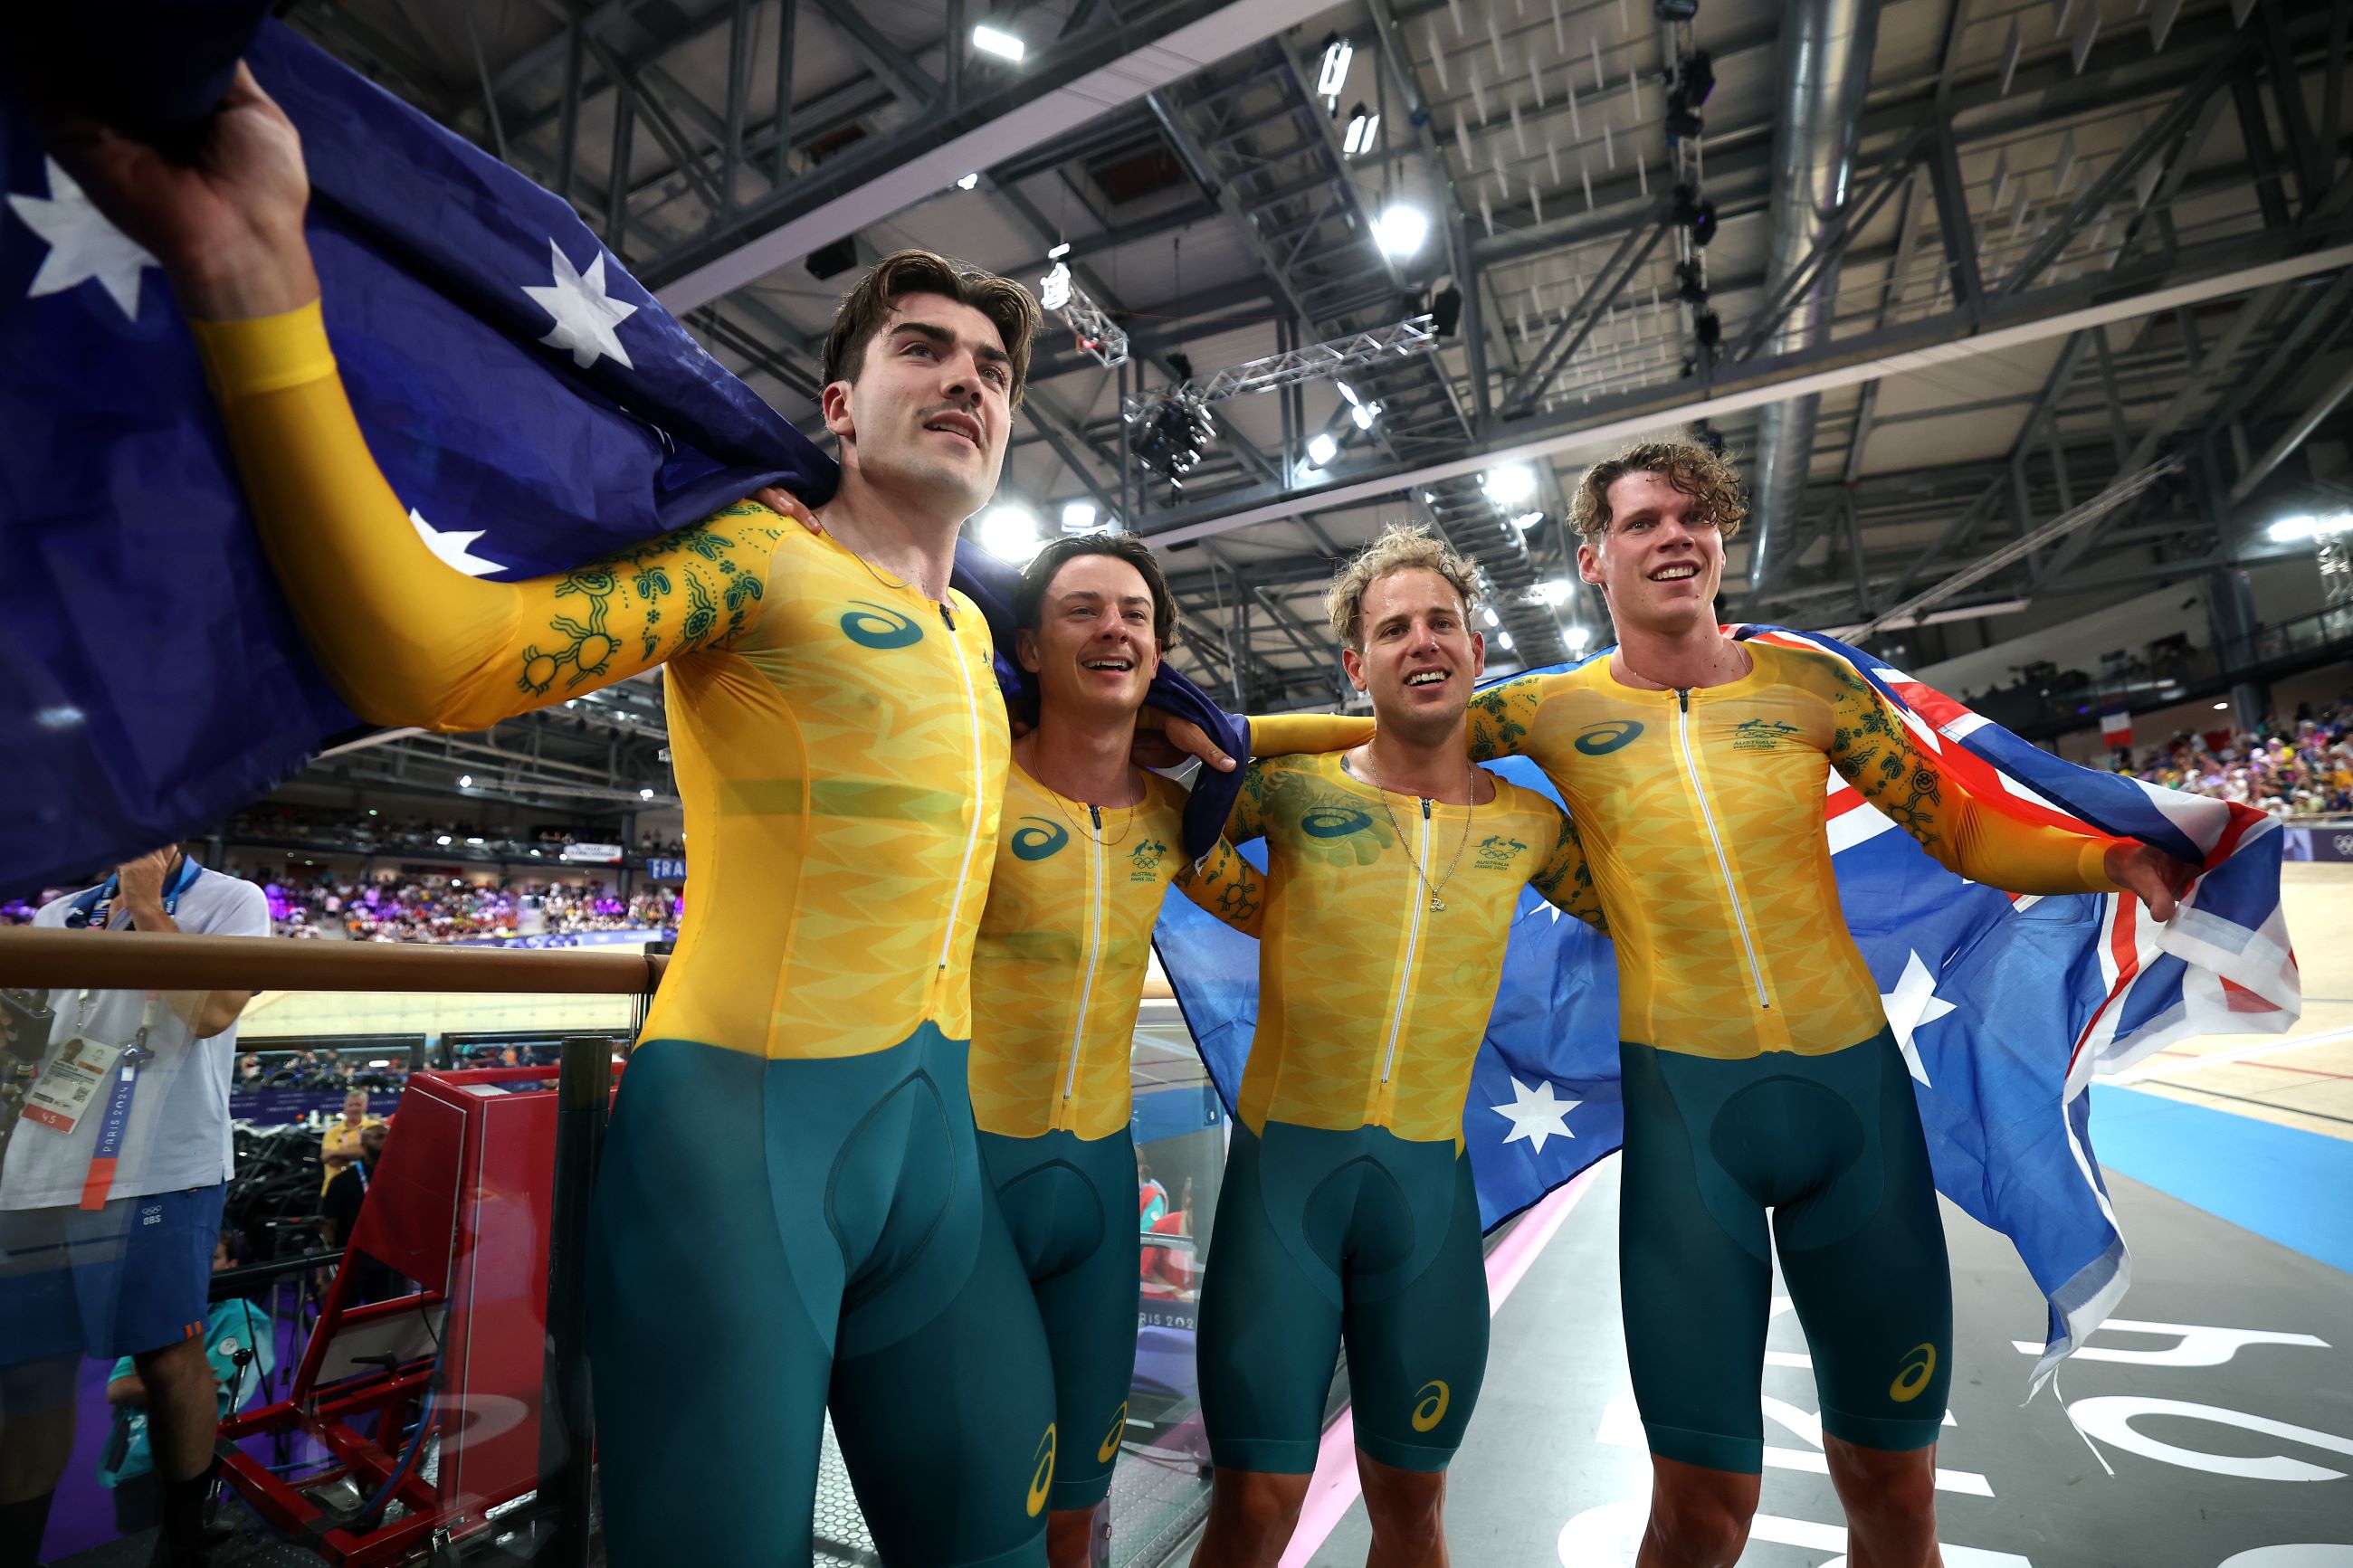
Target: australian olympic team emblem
[1495,852]
[876,625]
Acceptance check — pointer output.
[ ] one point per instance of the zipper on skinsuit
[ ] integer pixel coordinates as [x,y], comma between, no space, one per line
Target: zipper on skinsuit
[971,835]
[1715,841]
[1412,943]
[1095,954]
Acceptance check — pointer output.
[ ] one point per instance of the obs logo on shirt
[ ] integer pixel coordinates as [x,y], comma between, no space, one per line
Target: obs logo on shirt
[1111,1439]
[1431,1409]
[1036,843]
[1600,739]
[1919,1366]
[1041,1479]
[877,625]
[1331,821]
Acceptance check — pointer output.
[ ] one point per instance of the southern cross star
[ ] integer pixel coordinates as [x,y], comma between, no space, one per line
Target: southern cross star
[585,315]
[82,244]
[1535,1115]
[1913,1004]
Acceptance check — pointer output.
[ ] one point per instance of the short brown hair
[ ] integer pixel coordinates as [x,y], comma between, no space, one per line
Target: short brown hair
[1699,471]
[1398,549]
[1029,598]
[862,311]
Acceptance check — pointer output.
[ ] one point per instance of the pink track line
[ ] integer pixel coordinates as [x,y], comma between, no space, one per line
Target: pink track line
[1335,1485]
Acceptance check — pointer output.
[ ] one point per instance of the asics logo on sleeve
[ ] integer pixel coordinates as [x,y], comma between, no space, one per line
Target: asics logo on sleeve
[1035,843]
[1918,1367]
[1600,739]
[876,625]
[1332,821]
[1431,1409]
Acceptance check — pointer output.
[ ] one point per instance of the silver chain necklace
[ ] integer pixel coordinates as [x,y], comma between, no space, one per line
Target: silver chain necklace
[1437,904]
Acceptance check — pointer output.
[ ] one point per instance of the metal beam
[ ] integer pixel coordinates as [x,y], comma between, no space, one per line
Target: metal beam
[2292,437]
[910,82]
[1061,87]
[1922,344]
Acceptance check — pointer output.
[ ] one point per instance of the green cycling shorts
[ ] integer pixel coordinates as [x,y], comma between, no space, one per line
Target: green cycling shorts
[1070,1203]
[773,1237]
[1831,1148]
[1323,1237]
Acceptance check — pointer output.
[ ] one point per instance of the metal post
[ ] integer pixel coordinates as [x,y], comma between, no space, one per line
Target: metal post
[567,1428]
[617,194]
[567,131]
[788,14]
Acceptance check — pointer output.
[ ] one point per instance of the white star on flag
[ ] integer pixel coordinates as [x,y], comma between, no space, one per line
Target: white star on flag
[1915,1004]
[1535,1115]
[82,244]
[455,548]
[585,316]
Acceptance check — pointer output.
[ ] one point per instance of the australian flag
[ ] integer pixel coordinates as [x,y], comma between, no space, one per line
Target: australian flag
[529,401]
[2004,1006]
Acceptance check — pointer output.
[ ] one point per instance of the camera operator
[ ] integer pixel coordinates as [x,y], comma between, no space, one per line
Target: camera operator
[111,1198]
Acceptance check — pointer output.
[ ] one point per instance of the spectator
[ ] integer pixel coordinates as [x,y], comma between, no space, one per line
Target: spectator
[2301,770]
[339,1146]
[240,1345]
[371,1280]
[147,1072]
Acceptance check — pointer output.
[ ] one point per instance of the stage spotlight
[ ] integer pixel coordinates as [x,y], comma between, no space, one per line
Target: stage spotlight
[1078,516]
[1492,618]
[1322,448]
[1577,638]
[1691,285]
[1695,213]
[966,182]
[1509,487]
[1400,229]
[1010,533]
[465,781]
[1503,641]
[1181,363]
[1710,328]
[2289,529]
[1334,76]
[1554,590]
[1363,125]
[1364,415]
[1168,437]
[1696,77]
[1005,46]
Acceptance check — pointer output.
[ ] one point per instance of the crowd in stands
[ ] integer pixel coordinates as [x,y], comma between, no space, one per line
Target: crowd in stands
[325,1069]
[402,908]
[2300,768]
[376,833]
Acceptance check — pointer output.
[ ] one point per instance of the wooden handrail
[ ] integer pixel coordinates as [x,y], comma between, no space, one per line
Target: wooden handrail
[37,959]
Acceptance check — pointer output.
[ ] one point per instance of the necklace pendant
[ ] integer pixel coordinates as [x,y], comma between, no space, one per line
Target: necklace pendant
[1437,904]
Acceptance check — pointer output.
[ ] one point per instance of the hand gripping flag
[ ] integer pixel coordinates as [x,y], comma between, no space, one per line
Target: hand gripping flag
[2004,1007]
[530,402]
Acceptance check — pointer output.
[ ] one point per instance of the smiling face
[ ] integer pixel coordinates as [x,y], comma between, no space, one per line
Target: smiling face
[1419,657]
[1094,648]
[927,417]
[1661,559]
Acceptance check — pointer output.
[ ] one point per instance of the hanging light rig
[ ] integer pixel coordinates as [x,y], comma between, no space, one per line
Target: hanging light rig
[1096,334]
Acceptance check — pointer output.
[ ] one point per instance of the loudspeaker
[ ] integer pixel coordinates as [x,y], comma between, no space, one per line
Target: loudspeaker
[1446,310]
[829,259]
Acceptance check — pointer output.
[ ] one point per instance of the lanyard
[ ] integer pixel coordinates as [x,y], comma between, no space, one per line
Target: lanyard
[99,905]
[104,1157]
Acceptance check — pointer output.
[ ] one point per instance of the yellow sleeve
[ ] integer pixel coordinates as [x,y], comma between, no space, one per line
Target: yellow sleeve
[1566,878]
[1282,734]
[1873,751]
[1501,717]
[408,640]
[1228,886]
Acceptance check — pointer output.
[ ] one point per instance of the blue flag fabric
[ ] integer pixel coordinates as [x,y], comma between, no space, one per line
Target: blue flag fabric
[531,403]
[2004,1006]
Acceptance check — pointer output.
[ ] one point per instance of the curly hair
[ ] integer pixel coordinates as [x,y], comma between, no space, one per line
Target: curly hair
[1701,472]
[1398,549]
[863,311]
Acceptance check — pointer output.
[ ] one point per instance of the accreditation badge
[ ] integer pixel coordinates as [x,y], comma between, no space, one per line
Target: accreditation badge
[69,1085]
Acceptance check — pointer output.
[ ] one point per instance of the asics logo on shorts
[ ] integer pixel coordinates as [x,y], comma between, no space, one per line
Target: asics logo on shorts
[1919,1366]
[1111,1438]
[877,625]
[1036,843]
[1041,1480]
[1431,1408]
[1600,739]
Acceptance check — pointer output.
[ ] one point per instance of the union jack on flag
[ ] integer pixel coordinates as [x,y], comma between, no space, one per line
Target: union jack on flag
[2005,1007]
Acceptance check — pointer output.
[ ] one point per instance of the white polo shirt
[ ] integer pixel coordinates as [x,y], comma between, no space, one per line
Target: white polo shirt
[178,1134]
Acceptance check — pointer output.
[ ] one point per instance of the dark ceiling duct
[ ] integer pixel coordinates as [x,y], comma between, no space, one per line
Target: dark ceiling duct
[1826,47]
